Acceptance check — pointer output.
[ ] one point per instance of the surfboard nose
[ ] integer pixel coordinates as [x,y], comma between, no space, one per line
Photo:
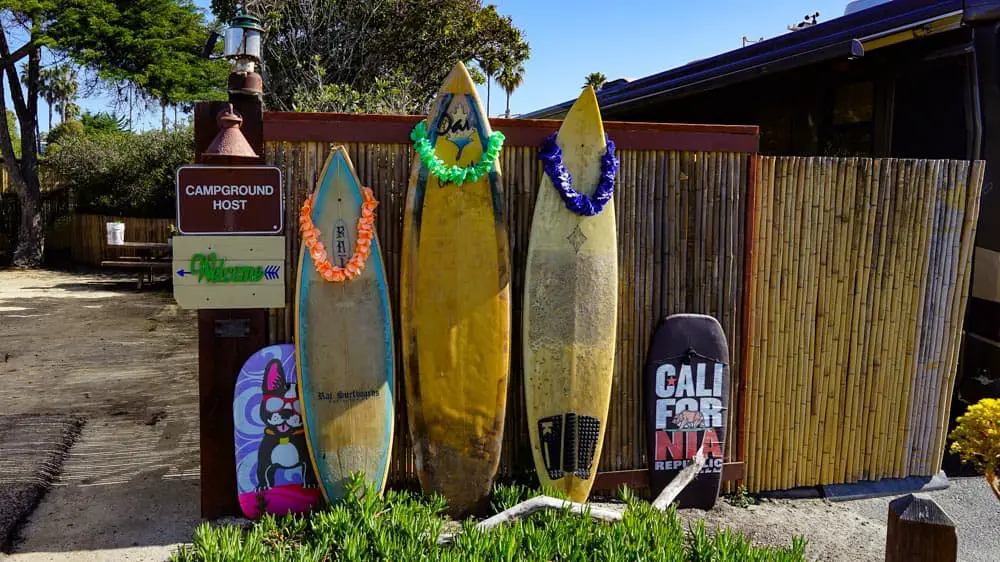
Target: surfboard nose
[585,115]
[459,81]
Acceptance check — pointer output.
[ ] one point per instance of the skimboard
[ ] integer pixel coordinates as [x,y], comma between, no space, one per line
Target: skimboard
[343,333]
[687,404]
[273,472]
[455,306]
[570,314]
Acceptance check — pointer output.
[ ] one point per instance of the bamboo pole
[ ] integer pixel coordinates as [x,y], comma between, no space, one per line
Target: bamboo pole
[968,199]
[918,268]
[675,221]
[883,365]
[822,245]
[907,320]
[788,292]
[929,259]
[969,224]
[758,365]
[873,340]
[939,297]
[947,269]
[929,317]
[773,374]
[835,309]
[753,340]
[800,329]
[894,343]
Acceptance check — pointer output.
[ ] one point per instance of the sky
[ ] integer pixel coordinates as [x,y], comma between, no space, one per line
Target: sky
[624,39]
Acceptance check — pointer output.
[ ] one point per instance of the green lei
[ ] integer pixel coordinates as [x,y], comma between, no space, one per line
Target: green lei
[455,174]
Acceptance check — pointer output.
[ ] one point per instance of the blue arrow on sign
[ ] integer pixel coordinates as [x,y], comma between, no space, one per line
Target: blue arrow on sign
[271,271]
[182,273]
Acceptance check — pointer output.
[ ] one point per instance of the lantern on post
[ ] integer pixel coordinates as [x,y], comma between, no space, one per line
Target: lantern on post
[242,46]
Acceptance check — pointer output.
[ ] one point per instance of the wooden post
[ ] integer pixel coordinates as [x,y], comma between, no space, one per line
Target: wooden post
[919,531]
[226,338]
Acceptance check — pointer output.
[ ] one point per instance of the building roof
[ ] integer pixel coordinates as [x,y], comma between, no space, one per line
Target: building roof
[847,36]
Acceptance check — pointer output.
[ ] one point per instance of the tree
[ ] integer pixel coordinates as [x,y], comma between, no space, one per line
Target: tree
[503,47]
[123,172]
[595,80]
[46,88]
[977,439]
[64,88]
[309,46]
[148,43]
[102,122]
[510,79]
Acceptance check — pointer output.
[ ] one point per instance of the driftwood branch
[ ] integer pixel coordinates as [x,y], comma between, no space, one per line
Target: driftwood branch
[536,504]
[526,508]
[683,478]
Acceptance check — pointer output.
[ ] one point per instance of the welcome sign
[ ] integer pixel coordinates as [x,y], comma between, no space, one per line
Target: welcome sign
[229,271]
[687,401]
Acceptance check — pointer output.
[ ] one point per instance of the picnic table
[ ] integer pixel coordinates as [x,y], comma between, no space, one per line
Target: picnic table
[151,256]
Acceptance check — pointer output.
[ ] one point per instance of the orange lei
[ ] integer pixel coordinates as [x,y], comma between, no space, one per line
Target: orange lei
[362,246]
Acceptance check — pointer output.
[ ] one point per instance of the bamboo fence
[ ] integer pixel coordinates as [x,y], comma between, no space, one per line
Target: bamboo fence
[89,240]
[858,286]
[680,225]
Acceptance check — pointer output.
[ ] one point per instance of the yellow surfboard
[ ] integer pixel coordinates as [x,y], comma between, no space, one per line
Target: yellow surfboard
[344,343]
[455,306]
[571,314]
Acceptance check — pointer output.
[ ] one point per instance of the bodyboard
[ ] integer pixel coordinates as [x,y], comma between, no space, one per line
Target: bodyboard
[687,404]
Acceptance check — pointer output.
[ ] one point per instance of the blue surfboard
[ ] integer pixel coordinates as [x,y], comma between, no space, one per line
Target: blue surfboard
[344,342]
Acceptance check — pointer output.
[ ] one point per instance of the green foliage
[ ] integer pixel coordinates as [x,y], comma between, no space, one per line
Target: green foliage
[404,526]
[155,45]
[741,498]
[61,131]
[390,95]
[411,43]
[103,122]
[595,80]
[123,173]
[12,130]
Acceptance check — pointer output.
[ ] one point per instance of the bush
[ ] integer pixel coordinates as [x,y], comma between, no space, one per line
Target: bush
[61,131]
[405,526]
[123,174]
[977,439]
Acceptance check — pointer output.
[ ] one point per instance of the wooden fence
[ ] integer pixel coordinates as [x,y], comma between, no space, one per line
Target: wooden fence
[859,283]
[89,239]
[680,202]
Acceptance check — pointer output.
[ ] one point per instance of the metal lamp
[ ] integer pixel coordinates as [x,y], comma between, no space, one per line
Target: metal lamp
[242,45]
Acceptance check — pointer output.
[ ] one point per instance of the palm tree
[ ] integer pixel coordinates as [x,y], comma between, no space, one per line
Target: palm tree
[45,81]
[490,65]
[595,80]
[65,89]
[510,79]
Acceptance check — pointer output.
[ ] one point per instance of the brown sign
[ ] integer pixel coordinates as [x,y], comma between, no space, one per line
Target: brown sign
[229,200]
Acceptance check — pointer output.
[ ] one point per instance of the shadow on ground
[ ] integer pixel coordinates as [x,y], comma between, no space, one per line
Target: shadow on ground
[94,348]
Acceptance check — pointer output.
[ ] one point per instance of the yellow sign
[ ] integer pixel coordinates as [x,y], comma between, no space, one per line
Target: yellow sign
[229,271]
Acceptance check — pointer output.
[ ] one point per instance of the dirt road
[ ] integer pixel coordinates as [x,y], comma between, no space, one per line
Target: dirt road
[93,347]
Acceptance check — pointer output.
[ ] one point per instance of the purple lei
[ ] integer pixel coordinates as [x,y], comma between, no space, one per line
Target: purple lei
[551,156]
